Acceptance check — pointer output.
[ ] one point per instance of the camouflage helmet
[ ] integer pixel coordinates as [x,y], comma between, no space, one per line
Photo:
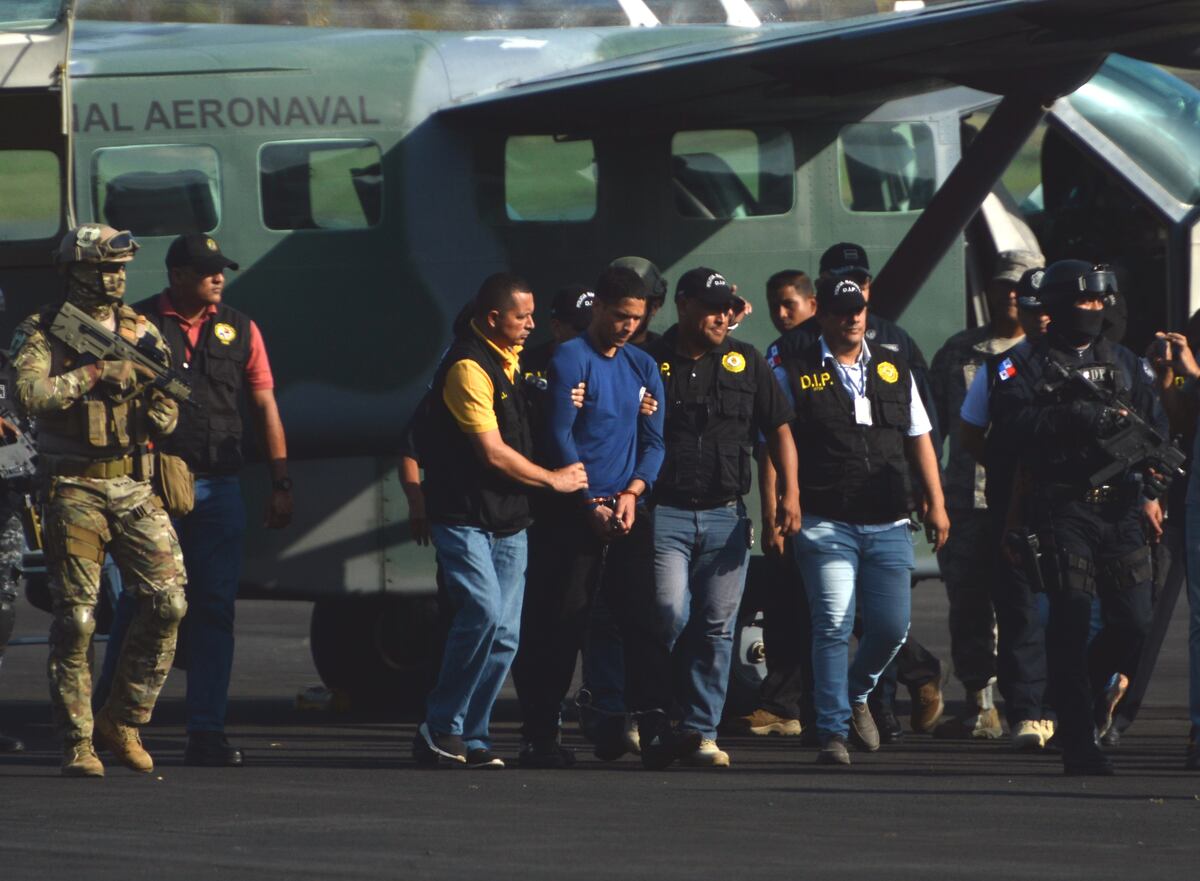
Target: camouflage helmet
[96,243]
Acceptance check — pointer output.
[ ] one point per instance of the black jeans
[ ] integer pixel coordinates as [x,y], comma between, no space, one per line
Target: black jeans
[1110,539]
[787,634]
[569,570]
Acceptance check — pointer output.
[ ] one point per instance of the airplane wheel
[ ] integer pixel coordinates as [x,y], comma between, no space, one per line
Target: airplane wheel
[376,649]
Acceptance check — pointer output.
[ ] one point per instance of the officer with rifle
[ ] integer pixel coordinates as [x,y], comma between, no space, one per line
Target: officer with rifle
[1094,459]
[97,415]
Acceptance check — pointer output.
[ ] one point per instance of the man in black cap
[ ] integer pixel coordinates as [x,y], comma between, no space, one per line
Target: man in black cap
[915,665]
[720,398]
[861,434]
[222,352]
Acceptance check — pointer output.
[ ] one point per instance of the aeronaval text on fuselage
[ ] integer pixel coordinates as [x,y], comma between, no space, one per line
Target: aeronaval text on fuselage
[215,113]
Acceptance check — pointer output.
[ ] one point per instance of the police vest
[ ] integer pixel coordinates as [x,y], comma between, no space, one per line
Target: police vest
[708,429]
[209,435]
[459,489]
[850,472]
[95,426]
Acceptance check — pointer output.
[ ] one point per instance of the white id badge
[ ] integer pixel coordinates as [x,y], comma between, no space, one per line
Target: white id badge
[862,411]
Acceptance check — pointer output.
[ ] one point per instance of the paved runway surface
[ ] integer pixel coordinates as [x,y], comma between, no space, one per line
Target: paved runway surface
[327,797]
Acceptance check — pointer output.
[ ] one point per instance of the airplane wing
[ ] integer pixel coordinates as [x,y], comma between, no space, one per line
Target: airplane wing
[1004,46]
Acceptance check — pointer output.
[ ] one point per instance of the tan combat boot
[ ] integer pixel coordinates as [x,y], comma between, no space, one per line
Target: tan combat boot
[80,760]
[123,741]
[980,722]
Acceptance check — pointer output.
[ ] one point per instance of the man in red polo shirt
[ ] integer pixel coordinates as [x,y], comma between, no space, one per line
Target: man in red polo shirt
[222,353]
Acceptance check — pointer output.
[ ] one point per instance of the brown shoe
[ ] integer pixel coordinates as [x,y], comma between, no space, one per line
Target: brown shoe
[763,722]
[927,706]
[80,760]
[123,741]
[862,728]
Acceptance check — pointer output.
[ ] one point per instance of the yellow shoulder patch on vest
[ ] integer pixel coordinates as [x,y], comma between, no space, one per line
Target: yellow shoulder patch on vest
[887,371]
[226,333]
[734,362]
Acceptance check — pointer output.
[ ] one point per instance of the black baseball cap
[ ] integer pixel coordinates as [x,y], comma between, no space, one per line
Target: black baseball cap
[839,296]
[845,257]
[572,304]
[706,285]
[199,251]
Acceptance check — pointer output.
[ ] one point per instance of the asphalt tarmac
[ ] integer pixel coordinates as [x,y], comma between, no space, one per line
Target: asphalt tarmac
[331,797]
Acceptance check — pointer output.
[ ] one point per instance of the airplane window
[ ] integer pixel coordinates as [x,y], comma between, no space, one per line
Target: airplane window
[886,167]
[1155,119]
[549,179]
[161,190]
[732,173]
[328,184]
[30,194]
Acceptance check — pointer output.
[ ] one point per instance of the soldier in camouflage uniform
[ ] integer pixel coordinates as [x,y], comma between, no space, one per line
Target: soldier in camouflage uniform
[968,559]
[93,427]
[12,542]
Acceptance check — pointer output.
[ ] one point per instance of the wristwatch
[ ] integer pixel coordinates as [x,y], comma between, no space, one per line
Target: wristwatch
[283,484]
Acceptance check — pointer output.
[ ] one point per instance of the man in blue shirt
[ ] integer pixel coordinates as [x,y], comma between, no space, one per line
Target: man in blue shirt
[608,537]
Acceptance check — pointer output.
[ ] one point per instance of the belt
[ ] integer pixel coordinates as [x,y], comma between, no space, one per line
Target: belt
[693,503]
[97,468]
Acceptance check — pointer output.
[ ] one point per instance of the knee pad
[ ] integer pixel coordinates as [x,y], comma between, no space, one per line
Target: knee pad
[168,607]
[76,624]
[8,620]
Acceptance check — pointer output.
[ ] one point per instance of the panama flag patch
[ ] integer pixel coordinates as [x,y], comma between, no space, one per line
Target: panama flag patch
[1007,370]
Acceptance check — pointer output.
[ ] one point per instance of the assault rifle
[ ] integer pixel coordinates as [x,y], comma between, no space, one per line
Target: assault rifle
[83,334]
[17,458]
[1132,444]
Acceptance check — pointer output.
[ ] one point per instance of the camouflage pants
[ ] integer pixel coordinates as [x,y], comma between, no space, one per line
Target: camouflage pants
[969,562]
[82,518]
[12,545]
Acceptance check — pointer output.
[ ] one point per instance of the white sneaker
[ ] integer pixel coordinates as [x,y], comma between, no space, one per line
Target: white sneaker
[708,755]
[1029,735]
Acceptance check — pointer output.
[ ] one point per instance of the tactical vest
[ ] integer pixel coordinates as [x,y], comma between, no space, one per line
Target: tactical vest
[459,489]
[96,426]
[708,429]
[850,472]
[209,435]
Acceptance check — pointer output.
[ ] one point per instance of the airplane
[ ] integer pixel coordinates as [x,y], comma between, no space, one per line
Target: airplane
[367,180]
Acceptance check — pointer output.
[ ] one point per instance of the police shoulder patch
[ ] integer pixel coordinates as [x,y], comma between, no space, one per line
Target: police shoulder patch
[887,371]
[226,333]
[734,362]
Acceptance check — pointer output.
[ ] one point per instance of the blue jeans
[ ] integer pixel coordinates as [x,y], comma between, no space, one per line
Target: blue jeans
[1192,527]
[485,577]
[212,537]
[837,562]
[700,560]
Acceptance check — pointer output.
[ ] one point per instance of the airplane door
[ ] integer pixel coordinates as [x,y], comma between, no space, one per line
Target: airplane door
[36,204]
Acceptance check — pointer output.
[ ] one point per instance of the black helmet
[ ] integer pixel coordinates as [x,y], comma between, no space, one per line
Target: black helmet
[1066,280]
[656,285]
[1063,284]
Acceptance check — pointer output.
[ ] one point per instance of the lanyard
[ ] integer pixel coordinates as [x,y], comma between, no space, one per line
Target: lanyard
[859,391]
